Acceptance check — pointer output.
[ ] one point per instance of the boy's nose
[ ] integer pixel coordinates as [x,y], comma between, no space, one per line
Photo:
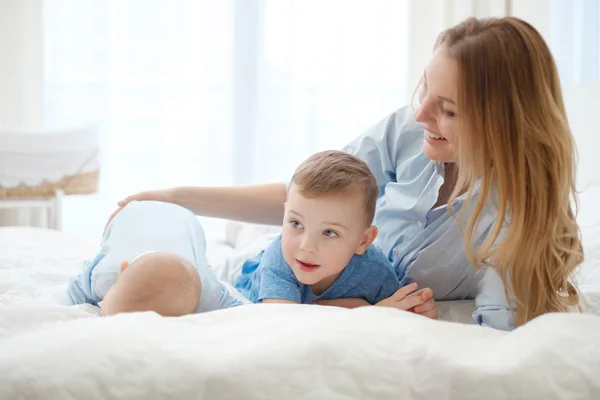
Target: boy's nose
[308,245]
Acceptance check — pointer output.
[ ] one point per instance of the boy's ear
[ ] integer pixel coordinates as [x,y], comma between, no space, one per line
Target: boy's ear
[368,239]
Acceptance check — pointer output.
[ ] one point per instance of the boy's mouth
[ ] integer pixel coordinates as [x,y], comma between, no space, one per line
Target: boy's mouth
[306,266]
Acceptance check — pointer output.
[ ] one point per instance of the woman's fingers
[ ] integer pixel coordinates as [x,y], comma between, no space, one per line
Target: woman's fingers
[118,210]
[125,201]
[156,195]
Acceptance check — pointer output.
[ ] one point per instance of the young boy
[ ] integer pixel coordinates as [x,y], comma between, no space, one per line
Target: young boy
[152,255]
[325,251]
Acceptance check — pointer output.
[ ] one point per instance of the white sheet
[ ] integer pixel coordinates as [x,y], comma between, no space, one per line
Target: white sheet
[276,351]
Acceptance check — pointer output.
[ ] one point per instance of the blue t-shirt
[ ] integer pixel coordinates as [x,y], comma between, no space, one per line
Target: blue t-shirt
[369,276]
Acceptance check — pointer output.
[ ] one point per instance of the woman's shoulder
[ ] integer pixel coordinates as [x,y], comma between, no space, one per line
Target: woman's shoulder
[398,127]
[404,120]
[395,139]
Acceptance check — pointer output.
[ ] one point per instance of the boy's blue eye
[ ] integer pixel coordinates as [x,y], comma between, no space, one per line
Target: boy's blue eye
[296,224]
[330,233]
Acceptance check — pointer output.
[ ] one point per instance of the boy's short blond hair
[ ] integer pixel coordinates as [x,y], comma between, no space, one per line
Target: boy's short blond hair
[336,172]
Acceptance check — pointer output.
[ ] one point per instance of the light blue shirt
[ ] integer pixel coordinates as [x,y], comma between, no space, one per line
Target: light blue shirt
[369,276]
[424,243]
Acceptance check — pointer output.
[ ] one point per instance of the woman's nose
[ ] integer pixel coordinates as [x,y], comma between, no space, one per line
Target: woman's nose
[423,112]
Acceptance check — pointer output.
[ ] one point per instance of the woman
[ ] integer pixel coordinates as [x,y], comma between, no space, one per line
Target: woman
[476,182]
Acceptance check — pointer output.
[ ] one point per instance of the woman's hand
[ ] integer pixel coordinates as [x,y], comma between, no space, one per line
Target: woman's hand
[408,298]
[156,195]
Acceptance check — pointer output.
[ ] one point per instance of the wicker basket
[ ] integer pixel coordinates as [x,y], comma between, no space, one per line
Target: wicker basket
[84,183]
[38,164]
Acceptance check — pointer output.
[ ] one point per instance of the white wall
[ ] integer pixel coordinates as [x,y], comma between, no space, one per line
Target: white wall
[429,17]
[582,101]
[536,12]
[583,106]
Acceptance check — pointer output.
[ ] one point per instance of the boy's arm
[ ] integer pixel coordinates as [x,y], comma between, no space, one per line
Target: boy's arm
[344,303]
[79,289]
[277,281]
[280,301]
[278,286]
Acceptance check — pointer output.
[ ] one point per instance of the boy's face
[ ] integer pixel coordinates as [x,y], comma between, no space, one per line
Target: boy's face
[321,234]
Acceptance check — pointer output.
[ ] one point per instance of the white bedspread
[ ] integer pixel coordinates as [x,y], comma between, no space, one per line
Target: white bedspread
[285,352]
[276,351]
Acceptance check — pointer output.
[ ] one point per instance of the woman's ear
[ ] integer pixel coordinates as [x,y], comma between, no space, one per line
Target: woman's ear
[368,239]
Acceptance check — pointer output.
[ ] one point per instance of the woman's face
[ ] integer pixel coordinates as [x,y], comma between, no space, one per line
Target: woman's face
[437,109]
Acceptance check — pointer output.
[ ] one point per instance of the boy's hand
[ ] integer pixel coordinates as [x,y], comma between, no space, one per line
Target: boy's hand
[408,299]
[427,308]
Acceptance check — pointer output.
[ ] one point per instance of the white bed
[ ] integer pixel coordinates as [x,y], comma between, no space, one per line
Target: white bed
[277,351]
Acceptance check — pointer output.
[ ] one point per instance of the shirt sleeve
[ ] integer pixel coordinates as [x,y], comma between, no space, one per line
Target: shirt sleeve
[379,145]
[492,309]
[82,288]
[389,286]
[277,280]
[79,289]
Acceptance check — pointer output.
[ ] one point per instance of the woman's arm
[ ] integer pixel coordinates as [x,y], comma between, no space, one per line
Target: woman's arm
[381,145]
[492,309]
[262,204]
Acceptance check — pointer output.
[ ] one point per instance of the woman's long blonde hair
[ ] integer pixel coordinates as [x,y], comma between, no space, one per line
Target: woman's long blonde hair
[515,140]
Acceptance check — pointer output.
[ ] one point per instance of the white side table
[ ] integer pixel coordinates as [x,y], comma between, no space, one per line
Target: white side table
[50,208]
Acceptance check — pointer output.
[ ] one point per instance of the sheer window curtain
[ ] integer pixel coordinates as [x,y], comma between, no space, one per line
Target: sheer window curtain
[575,39]
[201,92]
[572,30]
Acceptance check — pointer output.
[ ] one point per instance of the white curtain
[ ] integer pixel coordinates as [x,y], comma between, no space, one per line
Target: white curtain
[218,92]
[427,18]
[575,39]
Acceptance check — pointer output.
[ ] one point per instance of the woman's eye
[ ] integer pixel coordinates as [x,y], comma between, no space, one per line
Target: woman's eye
[448,113]
[330,233]
[296,224]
